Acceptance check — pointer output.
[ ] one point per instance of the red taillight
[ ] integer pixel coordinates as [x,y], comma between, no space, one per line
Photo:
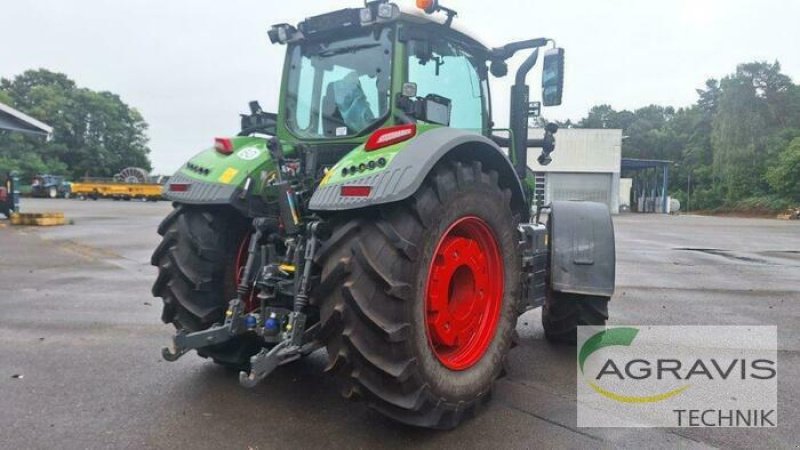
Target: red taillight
[356,191]
[223,145]
[391,135]
[179,187]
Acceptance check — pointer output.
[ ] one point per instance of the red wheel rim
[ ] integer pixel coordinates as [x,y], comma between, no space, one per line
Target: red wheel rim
[464,293]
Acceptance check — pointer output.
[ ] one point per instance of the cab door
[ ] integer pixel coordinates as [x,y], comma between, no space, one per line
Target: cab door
[447,69]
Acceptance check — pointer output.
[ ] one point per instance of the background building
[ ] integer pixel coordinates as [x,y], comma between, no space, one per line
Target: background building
[13,120]
[586,166]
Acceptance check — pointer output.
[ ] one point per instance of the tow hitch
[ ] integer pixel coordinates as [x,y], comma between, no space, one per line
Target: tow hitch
[283,331]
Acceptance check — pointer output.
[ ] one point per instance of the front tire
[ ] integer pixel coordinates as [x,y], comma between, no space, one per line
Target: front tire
[198,260]
[563,313]
[381,317]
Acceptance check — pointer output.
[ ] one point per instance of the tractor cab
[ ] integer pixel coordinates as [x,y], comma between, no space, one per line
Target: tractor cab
[349,72]
[352,72]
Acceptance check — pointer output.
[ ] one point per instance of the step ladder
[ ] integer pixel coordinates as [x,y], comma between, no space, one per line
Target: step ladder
[539,187]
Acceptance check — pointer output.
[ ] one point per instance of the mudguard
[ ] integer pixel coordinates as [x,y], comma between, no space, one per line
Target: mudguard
[406,171]
[582,254]
[214,178]
[201,192]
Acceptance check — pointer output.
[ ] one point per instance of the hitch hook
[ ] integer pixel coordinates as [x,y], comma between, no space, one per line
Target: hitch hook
[262,364]
[173,352]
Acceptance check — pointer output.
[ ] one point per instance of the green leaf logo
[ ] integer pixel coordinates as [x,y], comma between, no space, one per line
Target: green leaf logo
[606,338]
[622,336]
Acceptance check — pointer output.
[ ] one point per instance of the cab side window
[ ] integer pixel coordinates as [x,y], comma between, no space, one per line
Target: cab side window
[445,69]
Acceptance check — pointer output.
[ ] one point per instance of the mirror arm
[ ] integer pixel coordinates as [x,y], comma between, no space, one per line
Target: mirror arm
[408,109]
[508,50]
[546,144]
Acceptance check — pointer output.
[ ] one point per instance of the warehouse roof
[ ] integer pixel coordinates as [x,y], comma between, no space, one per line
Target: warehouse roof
[13,120]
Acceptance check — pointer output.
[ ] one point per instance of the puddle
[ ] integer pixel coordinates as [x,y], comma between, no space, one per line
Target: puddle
[724,254]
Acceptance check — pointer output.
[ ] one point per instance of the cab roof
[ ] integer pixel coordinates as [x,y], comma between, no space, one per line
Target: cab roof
[416,15]
[329,24]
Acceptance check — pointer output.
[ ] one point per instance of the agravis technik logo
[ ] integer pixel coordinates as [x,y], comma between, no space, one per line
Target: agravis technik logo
[677,376]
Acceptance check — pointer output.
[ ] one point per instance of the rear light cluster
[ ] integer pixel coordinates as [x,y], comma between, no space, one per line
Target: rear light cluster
[385,137]
[355,191]
[179,187]
[381,138]
[223,145]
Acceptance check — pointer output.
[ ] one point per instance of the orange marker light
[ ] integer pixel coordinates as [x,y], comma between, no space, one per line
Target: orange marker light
[426,5]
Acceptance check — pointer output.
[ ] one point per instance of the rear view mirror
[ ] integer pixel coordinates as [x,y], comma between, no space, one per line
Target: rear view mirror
[437,109]
[553,77]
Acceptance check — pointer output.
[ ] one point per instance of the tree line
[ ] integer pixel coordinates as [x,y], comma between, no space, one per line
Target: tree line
[739,143]
[95,134]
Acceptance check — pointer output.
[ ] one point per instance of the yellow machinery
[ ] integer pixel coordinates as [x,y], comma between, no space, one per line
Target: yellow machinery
[130,183]
[117,190]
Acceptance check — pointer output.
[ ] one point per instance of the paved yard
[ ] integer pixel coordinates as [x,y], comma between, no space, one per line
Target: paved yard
[80,329]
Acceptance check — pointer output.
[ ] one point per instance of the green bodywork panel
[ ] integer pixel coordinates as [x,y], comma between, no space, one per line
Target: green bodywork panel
[250,154]
[360,158]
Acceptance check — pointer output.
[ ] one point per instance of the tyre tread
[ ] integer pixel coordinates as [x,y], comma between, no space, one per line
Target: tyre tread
[361,308]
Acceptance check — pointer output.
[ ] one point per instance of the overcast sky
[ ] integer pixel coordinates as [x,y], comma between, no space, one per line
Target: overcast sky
[191,67]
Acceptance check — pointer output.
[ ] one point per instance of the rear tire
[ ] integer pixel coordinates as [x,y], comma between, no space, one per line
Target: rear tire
[197,261]
[375,308]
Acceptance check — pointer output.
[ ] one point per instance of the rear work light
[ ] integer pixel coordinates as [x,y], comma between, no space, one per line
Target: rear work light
[356,191]
[223,145]
[389,136]
[179,187]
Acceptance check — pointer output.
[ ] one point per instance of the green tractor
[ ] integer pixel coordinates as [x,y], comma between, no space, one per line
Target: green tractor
[380,215]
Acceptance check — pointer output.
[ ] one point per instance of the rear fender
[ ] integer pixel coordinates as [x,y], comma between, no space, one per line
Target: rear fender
[212,178]
[582,255]
[406,171]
